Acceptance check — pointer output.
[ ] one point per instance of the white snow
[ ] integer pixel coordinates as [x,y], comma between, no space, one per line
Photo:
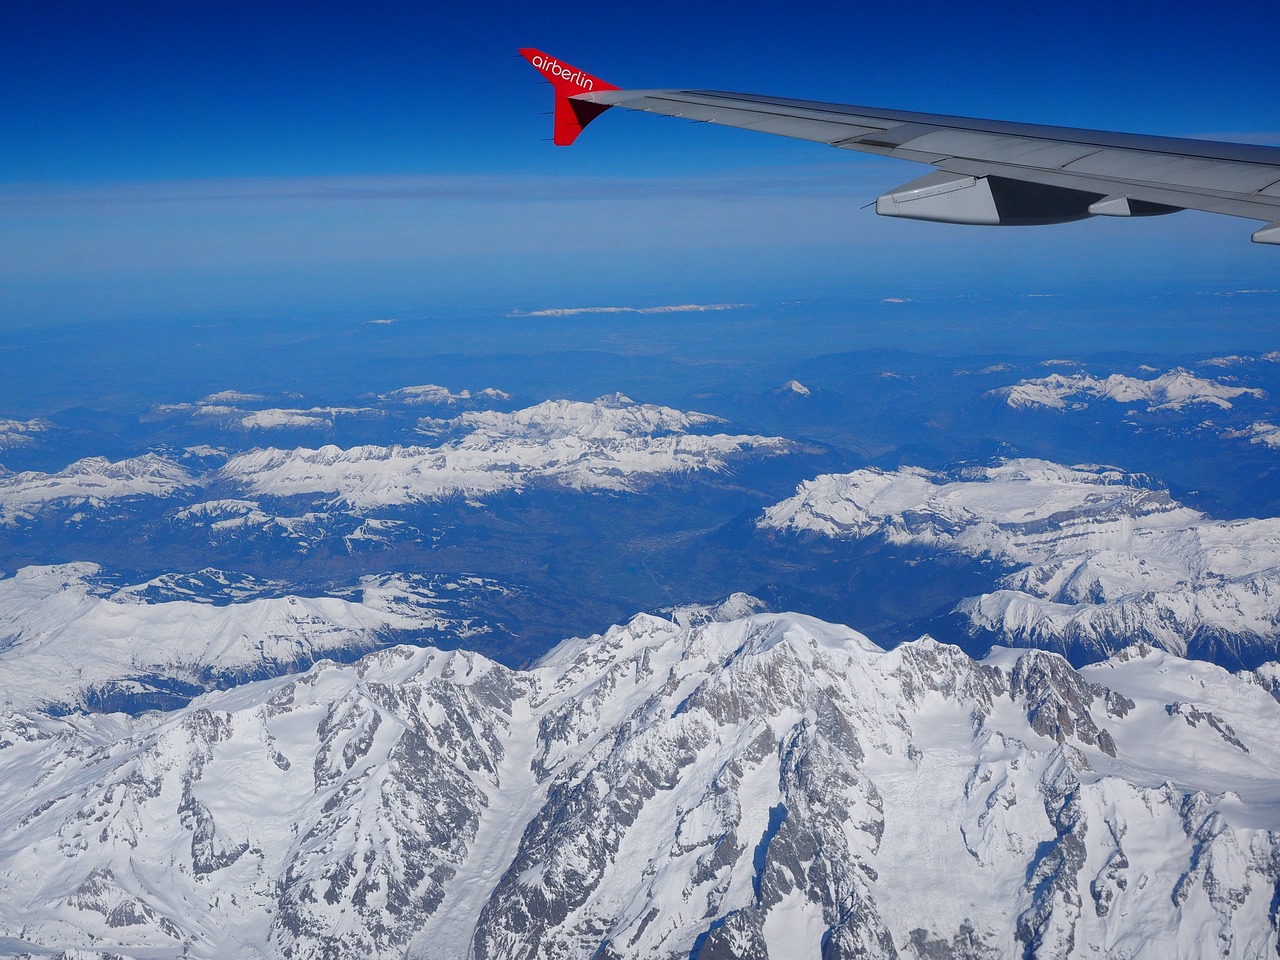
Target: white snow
[431,393]
[21,433]
[65,634]
[1093,553]
[627,787]
[611,444]
[275,419]
[1260,431]
[1229,361]
[233,396]
[1173,390]
[91,481]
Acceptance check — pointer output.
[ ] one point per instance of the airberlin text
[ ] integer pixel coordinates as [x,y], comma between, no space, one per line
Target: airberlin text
[556,69]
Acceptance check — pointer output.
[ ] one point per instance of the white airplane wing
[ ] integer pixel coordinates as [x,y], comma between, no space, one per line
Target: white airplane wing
[987,171]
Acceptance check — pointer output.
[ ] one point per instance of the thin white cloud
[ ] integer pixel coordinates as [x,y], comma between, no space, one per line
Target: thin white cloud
[671,308]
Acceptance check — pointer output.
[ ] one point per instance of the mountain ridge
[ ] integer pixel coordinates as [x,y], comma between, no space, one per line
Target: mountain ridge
[708,782]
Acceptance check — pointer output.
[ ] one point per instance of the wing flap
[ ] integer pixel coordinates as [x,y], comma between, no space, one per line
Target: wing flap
[1191,172]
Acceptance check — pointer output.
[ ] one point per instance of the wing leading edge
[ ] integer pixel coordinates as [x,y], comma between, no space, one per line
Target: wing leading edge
[987,171]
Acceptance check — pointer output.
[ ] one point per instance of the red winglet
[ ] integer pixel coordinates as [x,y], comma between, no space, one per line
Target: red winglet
[571,115]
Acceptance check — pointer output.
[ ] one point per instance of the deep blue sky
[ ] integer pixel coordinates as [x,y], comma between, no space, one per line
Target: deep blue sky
[179,158]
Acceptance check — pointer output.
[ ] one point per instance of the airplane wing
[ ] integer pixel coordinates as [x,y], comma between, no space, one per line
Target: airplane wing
[987,171]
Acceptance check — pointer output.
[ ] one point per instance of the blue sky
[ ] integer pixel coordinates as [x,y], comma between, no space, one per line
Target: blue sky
[180,159]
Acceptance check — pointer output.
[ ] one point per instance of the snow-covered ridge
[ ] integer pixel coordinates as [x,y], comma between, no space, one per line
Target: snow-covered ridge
[1097,557]
[233,396]
[21,433]
[612,444]
[266,418]
[615,417]
[430,393]
[254,411]
[91,481]
[280,418]
[1260,431]
[233,517]
[1228,361]
[1173,390]
[769,785]
[71,638]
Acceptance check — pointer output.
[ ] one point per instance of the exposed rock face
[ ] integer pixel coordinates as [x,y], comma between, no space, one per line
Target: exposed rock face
[715,785]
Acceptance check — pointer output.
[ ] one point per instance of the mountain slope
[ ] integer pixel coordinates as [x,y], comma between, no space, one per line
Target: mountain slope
[716,784]
[1093,558]
[69,639]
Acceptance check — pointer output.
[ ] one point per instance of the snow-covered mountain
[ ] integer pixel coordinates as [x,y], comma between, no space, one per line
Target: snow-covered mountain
[613,444]
[277,418]
[1260,431]
[723,786]
[235,519]
[230,416]
[90,482]
[616,417]
[1094,558]
[256,411]
[1173,390]
[70,638]
[19,433]
[431,394]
